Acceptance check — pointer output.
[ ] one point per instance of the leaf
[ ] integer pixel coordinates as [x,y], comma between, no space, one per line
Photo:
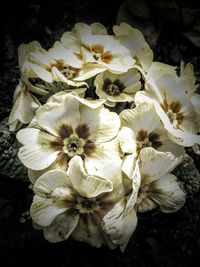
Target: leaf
[10,165]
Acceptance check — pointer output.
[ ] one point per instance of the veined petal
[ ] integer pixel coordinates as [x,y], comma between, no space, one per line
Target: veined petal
[120,225]
[103,124]
[36,156]
[50,181]
[52,115]
[61,228]
[105,153]
[43,211]
[127,140]
[87,185]
[154,164]
[167,193]
[88,230]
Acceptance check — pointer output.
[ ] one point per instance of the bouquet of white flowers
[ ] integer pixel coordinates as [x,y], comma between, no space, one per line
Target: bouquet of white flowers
[103,127]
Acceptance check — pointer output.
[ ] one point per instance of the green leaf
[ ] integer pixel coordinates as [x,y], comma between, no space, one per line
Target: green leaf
[10,165]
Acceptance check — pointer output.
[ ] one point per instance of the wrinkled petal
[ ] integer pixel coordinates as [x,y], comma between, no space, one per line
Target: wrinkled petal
[50,181]
[87,186]
[43,210]
[167,193]
[52,115]
[154,164]
[61,228]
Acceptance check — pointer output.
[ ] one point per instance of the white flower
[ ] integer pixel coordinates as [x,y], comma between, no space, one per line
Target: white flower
[74,203]
[134,41]
[120,222]
[99,51]
[117,87]
[53,65]
[171,96]
[24,107]
[141,127]
[69,126]
[158,186]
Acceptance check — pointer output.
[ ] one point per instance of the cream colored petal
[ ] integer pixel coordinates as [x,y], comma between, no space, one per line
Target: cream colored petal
[14,126]
[142,97]
[38,71]
[98,28]
[146,204]
[34,175]
[43,210]
[24,108]
[89,70]
[58,76]
[134,40]
[119,226]
[36,156]
[105,154]
[129,165]
[176,135]
[154,164]
[87,185]
[37,153]
[127,140]
[52,115]
[132,89]
[172,147]
[167,193]
[34,136]
[121,98]
[91,103]
[89,231]
[61,228]
[50,181]
[103,124]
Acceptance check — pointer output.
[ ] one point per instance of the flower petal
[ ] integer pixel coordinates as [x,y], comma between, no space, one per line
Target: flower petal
[87,185]
[50,181]
[119,225]
[103,124]
[167,193]
[154,164]
[43,210]
[61,228]
[53,115]
[36,153]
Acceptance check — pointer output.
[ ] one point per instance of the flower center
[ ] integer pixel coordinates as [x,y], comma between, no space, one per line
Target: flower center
[73,145]
[85,205]
[172,116]
[113,89]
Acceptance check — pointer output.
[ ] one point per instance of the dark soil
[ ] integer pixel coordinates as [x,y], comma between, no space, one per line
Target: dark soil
[161,240]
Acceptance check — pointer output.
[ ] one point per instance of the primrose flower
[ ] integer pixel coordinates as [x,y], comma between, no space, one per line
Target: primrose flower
[74,203]
[25,104]
[134,41]
[171,96]
[141,127]
[120,222]
[99,51]
[24,108]
[67,126]
[53,65]
[117,87]
[158,186]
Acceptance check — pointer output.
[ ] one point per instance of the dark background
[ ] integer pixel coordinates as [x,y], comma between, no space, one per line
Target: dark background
[163,240]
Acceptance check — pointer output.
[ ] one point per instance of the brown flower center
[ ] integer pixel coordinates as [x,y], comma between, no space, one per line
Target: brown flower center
[86,205]
[173,111]
[73,142]
[112,88]
[145,139]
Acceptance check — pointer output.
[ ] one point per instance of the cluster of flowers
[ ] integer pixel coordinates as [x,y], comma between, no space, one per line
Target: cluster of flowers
[103,148]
